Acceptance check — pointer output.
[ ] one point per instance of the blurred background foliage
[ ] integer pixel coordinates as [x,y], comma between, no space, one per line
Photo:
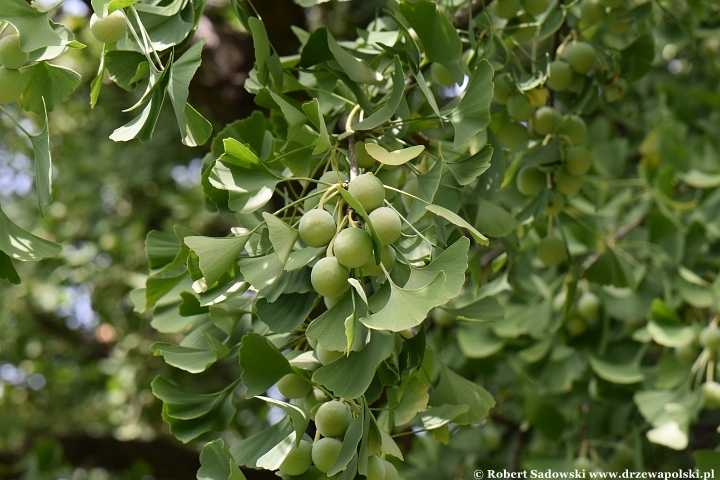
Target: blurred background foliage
[75,362]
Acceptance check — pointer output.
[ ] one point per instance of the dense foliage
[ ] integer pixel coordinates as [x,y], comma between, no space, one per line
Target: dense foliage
[474,235]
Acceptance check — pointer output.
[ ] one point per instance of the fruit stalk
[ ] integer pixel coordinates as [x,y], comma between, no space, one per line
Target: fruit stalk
[351,157]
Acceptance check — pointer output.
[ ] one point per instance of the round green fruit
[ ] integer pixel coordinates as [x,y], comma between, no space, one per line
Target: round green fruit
[332,419]
[353,247]
[535,7]
[581,56]
[374,441]
[326,356]
[687,353]
[559,76]
[108,29]
[325,453]
[545,120]
[317,228]
[368,190]
[576,325]
[519,108]
[375,468]
[311,400]
[512,135]
[298,460]
[504,89]
[329,278]
[293,385]
[362,158]
[710,338]
[391,472]
[592,11]
[575,129]
[388,261]
[507,8]
[537,97]
[566,183]
[441,75]
[588,306]
[711,394]
[442,317]
[10,54]
[332,177]
[525,34]
[577,160]
[387,224]
[12,84]
[530,181]
[551,251]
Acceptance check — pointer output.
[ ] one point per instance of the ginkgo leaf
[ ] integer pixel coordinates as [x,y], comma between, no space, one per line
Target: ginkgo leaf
[394,158]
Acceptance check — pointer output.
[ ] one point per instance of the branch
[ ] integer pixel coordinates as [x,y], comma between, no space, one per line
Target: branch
[462,17]
[619,233]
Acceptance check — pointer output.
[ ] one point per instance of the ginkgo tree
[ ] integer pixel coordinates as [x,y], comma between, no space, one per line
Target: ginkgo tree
[466,191]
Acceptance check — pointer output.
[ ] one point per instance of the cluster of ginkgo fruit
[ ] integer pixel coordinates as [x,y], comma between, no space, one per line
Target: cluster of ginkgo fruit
[332,419]
[347,238]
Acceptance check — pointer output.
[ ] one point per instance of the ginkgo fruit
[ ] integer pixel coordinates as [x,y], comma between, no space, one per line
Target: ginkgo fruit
[580,56]
[10,54]
[551,251]
[108,29]
[545,120]
[325,453]
[567,183]
[530,181]
[519,108]
[362,158]
[293,385]
[317,228]
[535,7]
[507,8]
[575,129]
[559,76]
[512,135]
[387,224]
[710,337]
[388,261]
[329,278]
[592,11]
[12,84]
[375,468]
[441,75]
[368,190]
[353,247]
[577,160]
[333,418]
[326,356]
[298,460]
[588,306]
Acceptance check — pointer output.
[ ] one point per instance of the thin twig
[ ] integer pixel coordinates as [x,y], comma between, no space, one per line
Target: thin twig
[619,233]
[351,157]
[462,18]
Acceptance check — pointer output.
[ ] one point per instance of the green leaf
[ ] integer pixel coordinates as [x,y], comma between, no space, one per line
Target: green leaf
[623,374]
[406,307]
[436,417]
[356,69]
[299,420]
[286,313]
[472,115]
[452,262]
[216,463]
[439,38]
[313,112]
[216,255]
[249,182]
[294,117]
[350,376]
[456,390]
[96,84]
[610,269]
[47,86]
[248,450]
[282,236]
[552,23]
[180,404]
[143,125]
[707,460]
[193,360]
[115,5]
[329,327]
[24,246]
[7,269]
[428,184]
[352,438]
[194,128]
[495,221]
[261,271]
[262,363]
[125,68]
[479,341]
[468,169]
[413,399]
[637,57]
[670,334]
[33,26]
[43,165]
[384,113]
[455,219]
[394,158]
